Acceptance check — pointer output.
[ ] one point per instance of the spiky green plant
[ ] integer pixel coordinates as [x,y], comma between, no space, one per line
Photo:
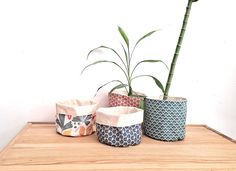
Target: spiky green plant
[124,64]
[178,47]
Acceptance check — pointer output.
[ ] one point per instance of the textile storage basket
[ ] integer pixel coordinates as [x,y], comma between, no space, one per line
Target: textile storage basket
[121,98]
[119,126]
[165,119]
[75,117]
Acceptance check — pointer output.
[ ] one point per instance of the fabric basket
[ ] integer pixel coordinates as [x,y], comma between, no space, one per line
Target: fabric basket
[119,126]
[120,98]
[165,119]
[75,117]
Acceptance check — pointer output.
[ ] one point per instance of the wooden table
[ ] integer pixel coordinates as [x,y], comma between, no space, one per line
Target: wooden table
[39,147]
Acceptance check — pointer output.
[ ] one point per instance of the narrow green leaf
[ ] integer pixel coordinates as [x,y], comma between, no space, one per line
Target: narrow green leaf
[146,35]
[147,61]
[93,50]
[126,57]
[125,37]
[105,61]
[100,47]
[158,83]
[94,63]
[118,87]
[109,48]
[107,84]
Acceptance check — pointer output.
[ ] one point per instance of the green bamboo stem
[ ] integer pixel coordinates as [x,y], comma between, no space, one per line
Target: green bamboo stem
[178,47]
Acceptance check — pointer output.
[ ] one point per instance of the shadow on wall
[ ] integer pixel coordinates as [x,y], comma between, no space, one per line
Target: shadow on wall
[102,98]
[222,116]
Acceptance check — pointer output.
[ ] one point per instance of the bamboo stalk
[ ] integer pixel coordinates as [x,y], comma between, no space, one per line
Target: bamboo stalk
[178,47]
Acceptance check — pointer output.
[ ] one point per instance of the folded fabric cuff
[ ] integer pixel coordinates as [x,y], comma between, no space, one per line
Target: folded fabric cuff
[76,107]
[119,116]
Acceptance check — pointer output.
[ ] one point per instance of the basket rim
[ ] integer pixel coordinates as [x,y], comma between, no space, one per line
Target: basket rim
[169,98]
[119,116]
[124,93]
[76,107]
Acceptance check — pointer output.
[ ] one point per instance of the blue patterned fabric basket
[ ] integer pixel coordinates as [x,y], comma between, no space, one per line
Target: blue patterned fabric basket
[165,119]
[119,126]
[119,136]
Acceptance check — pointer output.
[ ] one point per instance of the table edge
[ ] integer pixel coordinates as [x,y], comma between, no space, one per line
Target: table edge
[6,148]
[189,125]
[29,124]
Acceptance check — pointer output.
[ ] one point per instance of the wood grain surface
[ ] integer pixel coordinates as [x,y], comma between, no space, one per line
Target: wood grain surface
[39,147]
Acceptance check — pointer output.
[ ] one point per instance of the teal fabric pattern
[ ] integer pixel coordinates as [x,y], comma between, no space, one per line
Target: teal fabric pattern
[165,119]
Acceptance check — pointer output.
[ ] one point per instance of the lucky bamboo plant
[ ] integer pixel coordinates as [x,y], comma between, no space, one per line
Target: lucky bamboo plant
[125,61]
[178,47]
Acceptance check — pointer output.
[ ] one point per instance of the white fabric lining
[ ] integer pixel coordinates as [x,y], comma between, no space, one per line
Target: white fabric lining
[119,116]
[76,107]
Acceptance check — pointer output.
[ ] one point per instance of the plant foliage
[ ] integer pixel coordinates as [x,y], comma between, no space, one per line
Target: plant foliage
[124,63]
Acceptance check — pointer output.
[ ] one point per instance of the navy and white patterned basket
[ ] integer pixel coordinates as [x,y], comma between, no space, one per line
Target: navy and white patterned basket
[165,119]
[119,126]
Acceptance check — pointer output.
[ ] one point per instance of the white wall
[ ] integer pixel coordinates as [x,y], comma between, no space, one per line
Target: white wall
[43,46]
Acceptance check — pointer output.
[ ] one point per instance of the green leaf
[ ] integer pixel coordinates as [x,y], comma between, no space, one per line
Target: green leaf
[147,61]
[93,50]
[146,35]
[118,87]
[104,61]
[107,84]
[125,37]
[158,83]
[126,57]
[106,47]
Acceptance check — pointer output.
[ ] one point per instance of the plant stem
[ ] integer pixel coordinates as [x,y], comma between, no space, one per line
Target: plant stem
[177,50]
[130,93]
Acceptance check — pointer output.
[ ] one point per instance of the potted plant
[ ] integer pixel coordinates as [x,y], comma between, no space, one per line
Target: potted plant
[127,68]
[164,119]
